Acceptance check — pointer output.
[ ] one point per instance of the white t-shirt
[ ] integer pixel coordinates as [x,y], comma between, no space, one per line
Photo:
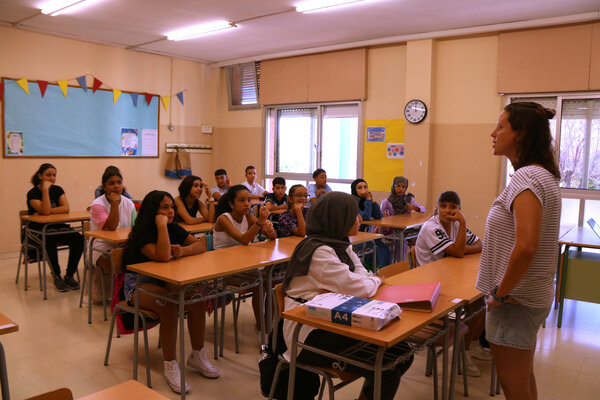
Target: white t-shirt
[255,189]
[433,240]
[217,189]
[222,240]
[536,289]
[99,212]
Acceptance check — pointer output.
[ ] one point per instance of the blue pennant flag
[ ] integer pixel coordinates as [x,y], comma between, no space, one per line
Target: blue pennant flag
[134,98]
[82,82]
[180,97]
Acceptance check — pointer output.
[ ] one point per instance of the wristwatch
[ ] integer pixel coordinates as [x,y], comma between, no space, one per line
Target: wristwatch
[499,299]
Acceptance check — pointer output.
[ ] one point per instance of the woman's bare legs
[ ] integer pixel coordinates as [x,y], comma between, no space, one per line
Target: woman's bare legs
[515,369]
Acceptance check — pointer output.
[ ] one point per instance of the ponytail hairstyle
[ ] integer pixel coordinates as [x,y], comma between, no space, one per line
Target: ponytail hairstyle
[186,185]
[109,172]
[223,205]
[35,179]
[534,141]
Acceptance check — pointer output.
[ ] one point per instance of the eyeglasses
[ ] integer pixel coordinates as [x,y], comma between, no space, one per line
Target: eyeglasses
[301,195]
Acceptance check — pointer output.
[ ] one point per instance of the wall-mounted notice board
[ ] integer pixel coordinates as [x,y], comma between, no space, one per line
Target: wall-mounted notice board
[82,124]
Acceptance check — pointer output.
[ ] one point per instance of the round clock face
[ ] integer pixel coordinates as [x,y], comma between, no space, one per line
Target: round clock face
[415,111]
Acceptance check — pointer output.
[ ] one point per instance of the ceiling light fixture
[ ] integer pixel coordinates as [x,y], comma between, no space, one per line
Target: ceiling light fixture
[310,6]
[200,30]
[57,7]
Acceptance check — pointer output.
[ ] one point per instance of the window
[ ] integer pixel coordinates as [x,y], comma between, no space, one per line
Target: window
[576,132]
[244,82]
[302,138]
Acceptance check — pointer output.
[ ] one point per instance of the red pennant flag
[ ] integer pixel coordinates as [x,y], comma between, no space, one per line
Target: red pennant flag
[43,85]
[97,84]
[148,98]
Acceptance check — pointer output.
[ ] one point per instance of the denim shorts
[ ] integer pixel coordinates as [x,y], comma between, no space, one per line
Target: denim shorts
[514,325]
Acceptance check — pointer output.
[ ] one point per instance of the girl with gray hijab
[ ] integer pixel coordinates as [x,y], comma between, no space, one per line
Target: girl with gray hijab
[400,202]
[324,261]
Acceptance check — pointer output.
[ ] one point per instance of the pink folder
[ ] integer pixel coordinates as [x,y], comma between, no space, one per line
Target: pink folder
[417,297]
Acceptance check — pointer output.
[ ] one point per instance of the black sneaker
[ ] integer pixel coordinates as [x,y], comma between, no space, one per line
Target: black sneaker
[71,283]
[59,284]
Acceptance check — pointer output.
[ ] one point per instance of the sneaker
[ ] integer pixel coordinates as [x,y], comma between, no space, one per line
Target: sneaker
[472,369]
[71,283]
[480,353]
[198,361]
[173,376]
[59,284]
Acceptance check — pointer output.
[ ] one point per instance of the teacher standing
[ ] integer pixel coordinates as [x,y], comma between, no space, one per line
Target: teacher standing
[518,261]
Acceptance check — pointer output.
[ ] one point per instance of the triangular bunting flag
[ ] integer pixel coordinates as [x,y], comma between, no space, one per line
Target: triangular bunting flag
[1,91]
[180,97]
[165,101]
[43,85]
[116,94]
[24,85]
[97,84]
[148,98]
[63,87]
[134,98]
[82,82]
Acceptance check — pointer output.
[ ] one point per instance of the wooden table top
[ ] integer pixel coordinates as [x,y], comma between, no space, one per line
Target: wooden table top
[401,221]
[581,236]
[57,218]
[198,228]
[6,325]
[131,390]
[398,330]
[119,235]
[457,276]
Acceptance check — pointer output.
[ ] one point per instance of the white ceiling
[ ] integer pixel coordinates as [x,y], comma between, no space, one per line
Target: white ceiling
[272,27]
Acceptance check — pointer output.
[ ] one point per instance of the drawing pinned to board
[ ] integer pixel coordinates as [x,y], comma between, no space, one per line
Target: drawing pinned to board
[150,142]
[129,141]
[395,150]
[14,143]
[376,134]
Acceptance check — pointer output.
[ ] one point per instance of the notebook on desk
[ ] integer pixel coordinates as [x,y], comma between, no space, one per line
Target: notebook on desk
[417,296]
[595,227]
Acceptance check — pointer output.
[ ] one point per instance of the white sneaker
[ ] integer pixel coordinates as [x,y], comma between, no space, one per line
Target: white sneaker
[472,369]
[480,353]
[173,376]
[198,361]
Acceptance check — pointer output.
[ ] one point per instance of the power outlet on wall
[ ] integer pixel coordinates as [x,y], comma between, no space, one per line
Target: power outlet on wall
[207,129]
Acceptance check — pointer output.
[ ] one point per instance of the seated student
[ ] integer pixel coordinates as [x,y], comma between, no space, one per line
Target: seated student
[236,225]
[400,202]
[222,184]
[256,191]
[278,199]
[369,210]
[155,237]
[46,198]
[188,203]
[320,187]
[446,234]
[324,262]
[108,212]
[293,221]
[100,189]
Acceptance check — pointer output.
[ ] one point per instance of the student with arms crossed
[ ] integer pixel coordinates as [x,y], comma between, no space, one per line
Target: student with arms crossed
[320,187]
[188,202]
[400,202]
[155,237]
[256,191]
[293,221]
[46,198]
[222,184]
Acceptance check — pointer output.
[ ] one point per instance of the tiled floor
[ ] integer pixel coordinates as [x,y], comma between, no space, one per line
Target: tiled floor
[56,347]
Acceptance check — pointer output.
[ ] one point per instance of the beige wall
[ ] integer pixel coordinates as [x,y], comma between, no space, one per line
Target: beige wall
[35,56]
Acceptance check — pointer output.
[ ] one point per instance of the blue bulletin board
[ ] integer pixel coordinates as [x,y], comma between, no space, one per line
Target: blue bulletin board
[80,124]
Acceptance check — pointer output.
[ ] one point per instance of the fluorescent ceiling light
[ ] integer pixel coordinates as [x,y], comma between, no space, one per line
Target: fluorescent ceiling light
[57,7]
[200,30]
[325,5]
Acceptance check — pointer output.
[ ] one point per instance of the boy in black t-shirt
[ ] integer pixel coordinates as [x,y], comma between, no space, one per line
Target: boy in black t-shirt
[278,199]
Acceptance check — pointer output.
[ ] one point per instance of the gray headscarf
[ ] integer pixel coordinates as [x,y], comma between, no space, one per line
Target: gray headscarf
[398,202]
[328,221]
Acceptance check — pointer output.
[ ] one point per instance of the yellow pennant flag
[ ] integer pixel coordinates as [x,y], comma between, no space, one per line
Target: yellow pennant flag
[165,101]
[116,94]
[24,85]
[63,86]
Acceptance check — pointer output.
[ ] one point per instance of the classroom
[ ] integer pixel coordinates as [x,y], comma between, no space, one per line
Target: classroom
[465,75]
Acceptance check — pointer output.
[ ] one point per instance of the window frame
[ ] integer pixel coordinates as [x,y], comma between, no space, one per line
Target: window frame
[229,76]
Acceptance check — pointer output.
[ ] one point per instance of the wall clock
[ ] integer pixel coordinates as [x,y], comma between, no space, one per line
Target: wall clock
[415,111]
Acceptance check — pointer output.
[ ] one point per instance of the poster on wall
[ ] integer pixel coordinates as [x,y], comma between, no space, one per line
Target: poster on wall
[395,150]
[129,141]
[376,134]
[150,142]
[14,143]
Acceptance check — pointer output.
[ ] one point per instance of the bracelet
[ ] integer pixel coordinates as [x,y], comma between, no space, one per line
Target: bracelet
[499,299]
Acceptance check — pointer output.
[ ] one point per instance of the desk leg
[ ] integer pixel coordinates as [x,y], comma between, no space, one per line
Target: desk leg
[90,281]
[455,353]
[269,298]
[136,327]
[293,356]
[563,281]
[558,276]
[3,375]
[182,339]
[401,244]
[44,259]
[378,373]
[261,295]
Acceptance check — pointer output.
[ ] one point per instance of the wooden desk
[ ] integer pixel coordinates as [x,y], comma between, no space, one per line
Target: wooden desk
[202,227]
[579,237]
[49,220]
[6,326]
[131,390]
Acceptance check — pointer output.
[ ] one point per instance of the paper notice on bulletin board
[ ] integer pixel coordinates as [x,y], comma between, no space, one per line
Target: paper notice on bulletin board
[150,142]
[376,134]
[381,162]
[129,141]
[14,143]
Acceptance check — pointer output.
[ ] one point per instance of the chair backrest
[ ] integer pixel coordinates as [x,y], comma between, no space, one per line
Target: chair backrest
[412,257]
[393,269]
[59,394]
[279,296]
[86,226]
[116,258]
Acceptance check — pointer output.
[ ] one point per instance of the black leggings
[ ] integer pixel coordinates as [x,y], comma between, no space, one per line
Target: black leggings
[75,242]
[390,379]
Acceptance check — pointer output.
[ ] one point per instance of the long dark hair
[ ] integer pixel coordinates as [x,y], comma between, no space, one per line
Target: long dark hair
[186,185]
[223,205]
[530,121]
[145,223]
[35,179]
[291,194]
